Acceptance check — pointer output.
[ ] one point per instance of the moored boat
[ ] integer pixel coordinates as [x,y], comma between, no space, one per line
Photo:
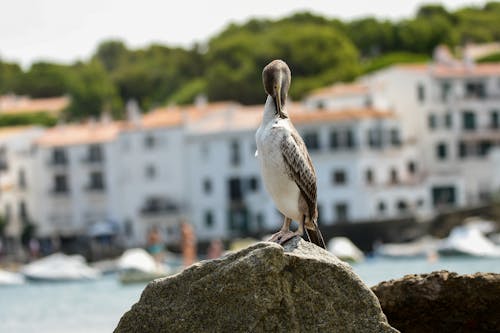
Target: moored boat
[59,267]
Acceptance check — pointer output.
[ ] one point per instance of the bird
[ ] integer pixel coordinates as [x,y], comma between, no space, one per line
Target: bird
[287,171]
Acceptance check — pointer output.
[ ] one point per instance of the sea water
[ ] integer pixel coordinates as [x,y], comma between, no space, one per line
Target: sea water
[96,306]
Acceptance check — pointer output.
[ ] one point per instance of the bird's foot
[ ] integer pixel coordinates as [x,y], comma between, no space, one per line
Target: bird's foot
[281,237]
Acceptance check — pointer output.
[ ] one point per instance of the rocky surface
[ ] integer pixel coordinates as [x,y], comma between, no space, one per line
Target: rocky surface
[442,302]
[263,288]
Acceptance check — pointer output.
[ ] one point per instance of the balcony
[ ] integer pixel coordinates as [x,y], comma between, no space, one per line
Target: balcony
[159,207]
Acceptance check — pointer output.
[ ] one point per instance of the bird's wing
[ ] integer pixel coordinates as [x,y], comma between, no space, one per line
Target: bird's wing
[300,168]
[256,153]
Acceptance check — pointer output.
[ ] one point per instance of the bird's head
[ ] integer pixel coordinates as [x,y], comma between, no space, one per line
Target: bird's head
[276,77]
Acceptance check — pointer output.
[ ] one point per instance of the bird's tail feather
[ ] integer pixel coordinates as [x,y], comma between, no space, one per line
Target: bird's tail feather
[315,235]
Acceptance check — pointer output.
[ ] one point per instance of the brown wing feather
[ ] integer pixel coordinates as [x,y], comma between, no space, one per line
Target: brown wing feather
[300,169]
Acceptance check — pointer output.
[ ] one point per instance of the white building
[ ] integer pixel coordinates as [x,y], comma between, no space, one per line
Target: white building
[451,109]
[365,171]
[17,182]
[406,140]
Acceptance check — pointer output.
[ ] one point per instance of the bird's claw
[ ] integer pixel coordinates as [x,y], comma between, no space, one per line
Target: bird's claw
[281,237]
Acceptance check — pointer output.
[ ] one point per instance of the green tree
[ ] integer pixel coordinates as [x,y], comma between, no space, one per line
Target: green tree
[112,54]
[9,74]
[235,60]
[153,75]
[92,92]
[44,80]
[372,37]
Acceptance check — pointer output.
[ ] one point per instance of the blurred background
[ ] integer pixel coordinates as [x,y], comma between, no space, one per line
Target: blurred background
[127,147]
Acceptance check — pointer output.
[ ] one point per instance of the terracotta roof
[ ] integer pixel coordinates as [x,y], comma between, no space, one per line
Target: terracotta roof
[22,104]
[457,70]
[250,117]
[341,90]
[172,116]
[75,134]
[340,115]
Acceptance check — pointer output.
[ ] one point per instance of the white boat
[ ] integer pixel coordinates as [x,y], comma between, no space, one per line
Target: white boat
[9,278]
[59,267]
[345,250]
[138,266]
[468,240]
[422,247]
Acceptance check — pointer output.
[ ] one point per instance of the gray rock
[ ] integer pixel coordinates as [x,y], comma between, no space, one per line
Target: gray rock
[442,302]
[263,288]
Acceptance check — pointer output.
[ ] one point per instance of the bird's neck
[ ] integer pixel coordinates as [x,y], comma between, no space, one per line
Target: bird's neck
[270,113]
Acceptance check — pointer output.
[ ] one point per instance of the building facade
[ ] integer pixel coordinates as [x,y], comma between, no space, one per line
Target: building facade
[408,140]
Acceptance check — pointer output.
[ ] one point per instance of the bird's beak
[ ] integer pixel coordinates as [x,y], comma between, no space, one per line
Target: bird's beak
[278,102]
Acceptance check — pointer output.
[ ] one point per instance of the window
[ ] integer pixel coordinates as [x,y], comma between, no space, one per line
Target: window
[443,195]
[23,212]
[235,190]
[209,219]
[402,206]
[61,184]
[235,153]
[341,212]
[96,181]
[484,147]
[462,149]
[445,90]
[350,140]
[22,179]
[468,120]
[395,139]
[394,176]
[420,92]
[441,151]
[369,176]
[448,120]
[339,177]
[149,141]
[381,207]
[432,121]
[334,140]
[375,138]
[150,172]
[412,167]
[475,90]
[311,140]
[95,153]
[207,186]
[495,119]
[253,184]
[59,156]
[342,139]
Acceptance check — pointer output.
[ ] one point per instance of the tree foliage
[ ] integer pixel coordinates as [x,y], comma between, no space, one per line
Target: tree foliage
[319,51]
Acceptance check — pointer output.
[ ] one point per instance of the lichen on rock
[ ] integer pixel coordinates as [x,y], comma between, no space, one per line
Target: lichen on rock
[263,288]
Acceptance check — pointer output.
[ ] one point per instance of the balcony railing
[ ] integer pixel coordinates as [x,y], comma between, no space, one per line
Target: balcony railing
[159,209]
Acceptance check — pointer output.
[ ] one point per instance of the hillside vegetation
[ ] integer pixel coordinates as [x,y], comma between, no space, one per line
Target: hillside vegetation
[319,50]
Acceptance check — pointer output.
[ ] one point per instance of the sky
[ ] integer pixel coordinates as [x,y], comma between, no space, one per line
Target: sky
[70,30]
